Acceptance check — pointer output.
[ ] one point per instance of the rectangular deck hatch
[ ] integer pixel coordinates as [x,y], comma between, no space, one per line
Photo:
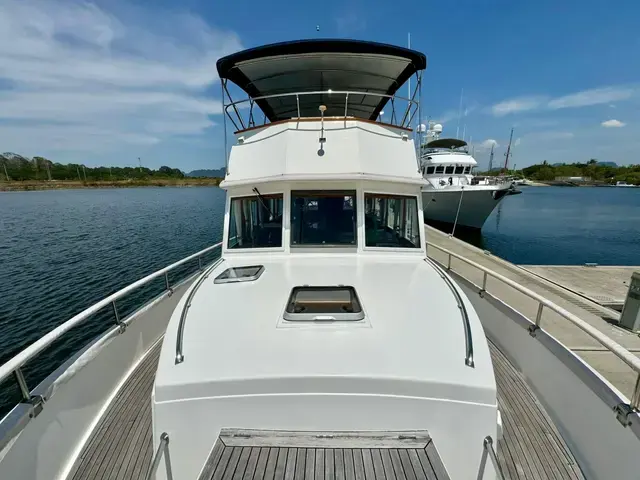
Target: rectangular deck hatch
[323,303]
[240,274]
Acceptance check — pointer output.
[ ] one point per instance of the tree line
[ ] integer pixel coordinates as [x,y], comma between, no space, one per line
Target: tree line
[18,168]
[594,170]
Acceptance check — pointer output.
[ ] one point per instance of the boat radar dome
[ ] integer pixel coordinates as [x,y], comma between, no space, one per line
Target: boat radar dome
[437,128]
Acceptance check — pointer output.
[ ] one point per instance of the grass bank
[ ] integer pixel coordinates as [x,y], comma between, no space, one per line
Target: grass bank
[28,185]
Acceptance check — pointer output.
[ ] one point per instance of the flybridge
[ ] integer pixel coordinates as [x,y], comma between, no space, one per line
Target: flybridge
[349,78]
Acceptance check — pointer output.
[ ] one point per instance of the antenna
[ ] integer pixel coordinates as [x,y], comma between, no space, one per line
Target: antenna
[491,157]
[459,114]
[508,152]
[409,81]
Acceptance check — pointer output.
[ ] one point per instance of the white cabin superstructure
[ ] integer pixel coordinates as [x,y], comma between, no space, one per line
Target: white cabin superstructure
[322,343]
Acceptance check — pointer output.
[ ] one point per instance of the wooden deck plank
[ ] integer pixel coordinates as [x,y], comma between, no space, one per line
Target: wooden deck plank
[386,464]
[121,441]
[95,450]
[301,459]
[281,463]
[531,447]
[397,464]
[358,464]
[262,463]
[331,468]
[290,469]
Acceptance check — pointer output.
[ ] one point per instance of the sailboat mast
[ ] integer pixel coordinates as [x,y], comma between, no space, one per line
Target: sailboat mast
[491,159]
[506,155]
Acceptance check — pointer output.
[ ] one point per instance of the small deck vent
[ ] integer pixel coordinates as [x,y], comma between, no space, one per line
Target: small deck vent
[323,303]
[240,274]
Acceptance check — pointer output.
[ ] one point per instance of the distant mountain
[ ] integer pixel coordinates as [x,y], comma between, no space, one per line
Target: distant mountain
[608,164]
[207,173]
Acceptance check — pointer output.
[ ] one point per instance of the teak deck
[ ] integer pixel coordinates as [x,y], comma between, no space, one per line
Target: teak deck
[121,445]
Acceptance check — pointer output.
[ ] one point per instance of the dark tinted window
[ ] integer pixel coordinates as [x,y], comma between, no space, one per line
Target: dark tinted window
[467,169]
[449,170]
[430,170]
[255,222]
[391,221]
[439,169]
[459,170]
[323,218]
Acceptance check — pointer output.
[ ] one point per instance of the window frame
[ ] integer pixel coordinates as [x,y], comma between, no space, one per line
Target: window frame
[440,168]
[460,168]
[433,169]
[449,169]
[467,170]
[227,232]
[408,250]
[323,193]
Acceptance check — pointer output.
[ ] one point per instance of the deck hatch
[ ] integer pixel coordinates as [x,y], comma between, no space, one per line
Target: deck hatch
[323,303]
[240,274]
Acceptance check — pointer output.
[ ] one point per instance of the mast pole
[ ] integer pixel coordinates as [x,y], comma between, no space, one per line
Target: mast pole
[506,155]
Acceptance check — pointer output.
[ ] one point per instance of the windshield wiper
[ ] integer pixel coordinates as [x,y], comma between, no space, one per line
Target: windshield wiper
[264,204]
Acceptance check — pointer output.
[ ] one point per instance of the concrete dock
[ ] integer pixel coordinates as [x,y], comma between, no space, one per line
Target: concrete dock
[604,285]
[580,299]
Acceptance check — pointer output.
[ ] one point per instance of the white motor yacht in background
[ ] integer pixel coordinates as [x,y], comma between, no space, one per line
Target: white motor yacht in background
[323,343]
[453,194]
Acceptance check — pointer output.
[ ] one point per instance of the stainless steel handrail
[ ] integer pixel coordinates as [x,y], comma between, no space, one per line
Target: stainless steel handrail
[487,450]
[163,447]
[185,310]
[411,103]
[468,338]
[618,350]
[12,367]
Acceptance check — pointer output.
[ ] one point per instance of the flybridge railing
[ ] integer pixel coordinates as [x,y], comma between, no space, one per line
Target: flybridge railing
[401,118]
[623,411]
[14,366]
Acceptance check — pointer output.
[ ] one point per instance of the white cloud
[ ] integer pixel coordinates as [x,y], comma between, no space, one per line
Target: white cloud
[487,144]
[613,123]
[514,105]
[74,76]
[585,98]
[595,96]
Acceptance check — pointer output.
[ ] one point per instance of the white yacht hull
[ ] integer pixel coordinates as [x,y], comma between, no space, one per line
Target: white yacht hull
[476,204]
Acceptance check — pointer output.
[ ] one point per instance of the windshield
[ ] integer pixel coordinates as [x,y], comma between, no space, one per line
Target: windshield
[391,221]
[323,218]
[255,222]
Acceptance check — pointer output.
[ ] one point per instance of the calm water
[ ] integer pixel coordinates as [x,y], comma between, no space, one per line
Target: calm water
[565,226]
[61,251]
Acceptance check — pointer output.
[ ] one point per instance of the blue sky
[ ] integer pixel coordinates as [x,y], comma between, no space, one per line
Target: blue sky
[108,81]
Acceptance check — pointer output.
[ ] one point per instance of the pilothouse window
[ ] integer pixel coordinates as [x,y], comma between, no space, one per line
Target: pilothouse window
[323,218]
[467,170]
[459,170]
[391,221]
[449,170]
[430,170]
[440,169]
[255,222]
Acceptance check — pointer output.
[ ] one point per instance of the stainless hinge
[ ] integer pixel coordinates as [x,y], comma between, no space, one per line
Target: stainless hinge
[37,403]
[533,330]
[623,411]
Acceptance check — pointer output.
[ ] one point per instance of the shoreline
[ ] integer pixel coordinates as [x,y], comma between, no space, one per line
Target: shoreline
[30,185]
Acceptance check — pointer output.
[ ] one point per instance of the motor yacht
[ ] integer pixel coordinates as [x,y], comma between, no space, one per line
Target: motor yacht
[322,343]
